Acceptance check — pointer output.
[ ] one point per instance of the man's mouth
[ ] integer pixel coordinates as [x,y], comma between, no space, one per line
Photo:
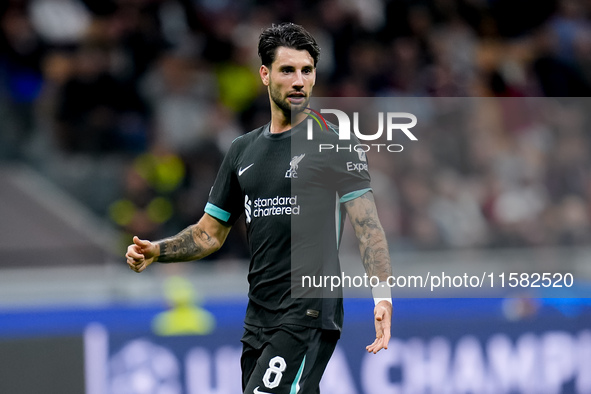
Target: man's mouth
[296,97]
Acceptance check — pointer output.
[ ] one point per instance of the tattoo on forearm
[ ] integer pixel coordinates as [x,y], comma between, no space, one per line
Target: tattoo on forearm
[372,240]
[189,244]
[376,261]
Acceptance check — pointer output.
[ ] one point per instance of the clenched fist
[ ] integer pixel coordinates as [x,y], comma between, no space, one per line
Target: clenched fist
[141,254]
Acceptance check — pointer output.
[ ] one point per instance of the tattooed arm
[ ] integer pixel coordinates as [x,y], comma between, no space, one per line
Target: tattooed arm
[376,259]
[372,240]
[193,243]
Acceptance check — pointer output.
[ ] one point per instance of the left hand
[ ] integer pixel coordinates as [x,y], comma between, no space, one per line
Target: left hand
[383,321]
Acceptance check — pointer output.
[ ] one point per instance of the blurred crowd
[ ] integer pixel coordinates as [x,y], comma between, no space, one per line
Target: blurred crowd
[488,172]
[158,89]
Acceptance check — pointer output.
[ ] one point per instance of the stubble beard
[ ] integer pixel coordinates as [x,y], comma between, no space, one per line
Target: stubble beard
[284,105]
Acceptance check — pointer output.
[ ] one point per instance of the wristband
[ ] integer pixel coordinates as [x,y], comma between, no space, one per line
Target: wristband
[376,301]
[381,293]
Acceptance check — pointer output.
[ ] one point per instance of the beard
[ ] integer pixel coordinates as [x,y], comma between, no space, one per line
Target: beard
[284,105]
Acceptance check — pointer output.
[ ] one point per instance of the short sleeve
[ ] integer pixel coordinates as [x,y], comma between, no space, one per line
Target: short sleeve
[351,174]
[225,197]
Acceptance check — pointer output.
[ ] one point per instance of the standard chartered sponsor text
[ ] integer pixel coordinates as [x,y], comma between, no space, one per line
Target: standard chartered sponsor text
[276,206]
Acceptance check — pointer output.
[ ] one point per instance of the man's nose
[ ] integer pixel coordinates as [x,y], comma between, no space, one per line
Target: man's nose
[298,81]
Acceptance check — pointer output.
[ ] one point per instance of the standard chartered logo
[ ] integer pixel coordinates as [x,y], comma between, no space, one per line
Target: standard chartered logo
[247,208]
[274,206]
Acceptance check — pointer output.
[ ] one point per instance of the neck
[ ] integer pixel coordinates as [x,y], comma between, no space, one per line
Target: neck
[281,122]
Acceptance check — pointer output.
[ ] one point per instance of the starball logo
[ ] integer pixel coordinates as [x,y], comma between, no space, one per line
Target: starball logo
[344,130]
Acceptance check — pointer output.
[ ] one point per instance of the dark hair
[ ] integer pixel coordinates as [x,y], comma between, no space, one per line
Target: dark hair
[287,35]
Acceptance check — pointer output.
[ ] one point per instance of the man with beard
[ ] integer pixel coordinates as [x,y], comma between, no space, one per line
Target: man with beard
[294,199]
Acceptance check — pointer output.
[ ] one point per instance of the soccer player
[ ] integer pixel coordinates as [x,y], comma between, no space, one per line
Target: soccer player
[292,197]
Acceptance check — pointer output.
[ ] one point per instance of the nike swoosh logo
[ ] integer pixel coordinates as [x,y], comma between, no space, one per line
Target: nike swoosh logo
[241,170]
[256,390]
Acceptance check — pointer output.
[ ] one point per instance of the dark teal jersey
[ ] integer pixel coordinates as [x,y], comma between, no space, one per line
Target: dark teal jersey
[290,192]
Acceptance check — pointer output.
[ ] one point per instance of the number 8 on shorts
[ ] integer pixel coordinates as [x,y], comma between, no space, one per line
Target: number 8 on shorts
[275,371]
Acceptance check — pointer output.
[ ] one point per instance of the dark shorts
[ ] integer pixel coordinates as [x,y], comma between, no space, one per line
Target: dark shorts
[286,359]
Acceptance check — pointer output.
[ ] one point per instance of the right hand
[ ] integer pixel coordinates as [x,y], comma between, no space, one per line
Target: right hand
[140,254]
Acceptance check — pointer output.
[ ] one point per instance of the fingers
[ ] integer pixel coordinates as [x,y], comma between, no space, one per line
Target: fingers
[379,314]
[137,267]
[134,252]
[137,264]
[134,257]
[383,322]
[376,346]
[135,261]
[386,337]
[381,342]
[140,242]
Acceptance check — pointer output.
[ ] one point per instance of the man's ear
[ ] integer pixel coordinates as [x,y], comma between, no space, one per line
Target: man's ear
[264,73]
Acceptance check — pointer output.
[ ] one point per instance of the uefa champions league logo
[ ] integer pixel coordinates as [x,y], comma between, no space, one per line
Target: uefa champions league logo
[142,367]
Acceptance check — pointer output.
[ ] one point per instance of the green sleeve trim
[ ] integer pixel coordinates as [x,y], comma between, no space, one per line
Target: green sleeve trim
[354,195]
[217,212]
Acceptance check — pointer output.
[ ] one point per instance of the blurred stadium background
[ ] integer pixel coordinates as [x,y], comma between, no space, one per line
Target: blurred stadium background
[115,115]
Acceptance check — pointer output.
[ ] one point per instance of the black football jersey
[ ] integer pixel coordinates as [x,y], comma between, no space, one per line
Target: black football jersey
[290,187]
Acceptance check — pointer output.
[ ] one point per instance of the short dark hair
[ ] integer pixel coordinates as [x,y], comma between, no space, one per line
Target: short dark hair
[287,35]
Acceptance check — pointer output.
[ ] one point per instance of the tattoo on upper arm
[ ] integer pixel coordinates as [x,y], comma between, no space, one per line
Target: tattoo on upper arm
[189,244]
[372,240]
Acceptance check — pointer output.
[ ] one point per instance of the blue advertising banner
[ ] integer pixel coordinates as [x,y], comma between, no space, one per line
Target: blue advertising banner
[438,346]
